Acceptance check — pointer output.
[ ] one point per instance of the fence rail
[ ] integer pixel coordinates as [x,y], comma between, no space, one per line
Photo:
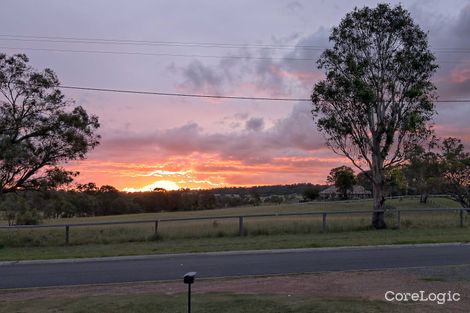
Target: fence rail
[241,219]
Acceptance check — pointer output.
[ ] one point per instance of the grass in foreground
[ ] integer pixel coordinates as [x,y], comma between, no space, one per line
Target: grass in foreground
[207,303]
[284,241]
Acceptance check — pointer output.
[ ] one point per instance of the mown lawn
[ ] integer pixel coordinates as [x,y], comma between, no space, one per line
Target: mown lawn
[207,303]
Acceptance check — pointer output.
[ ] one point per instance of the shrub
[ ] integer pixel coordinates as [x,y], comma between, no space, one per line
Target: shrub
[28,217]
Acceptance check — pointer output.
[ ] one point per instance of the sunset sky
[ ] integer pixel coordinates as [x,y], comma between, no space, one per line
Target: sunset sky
[245,48]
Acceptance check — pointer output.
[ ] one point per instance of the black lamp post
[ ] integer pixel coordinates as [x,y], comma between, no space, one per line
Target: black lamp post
[189,280]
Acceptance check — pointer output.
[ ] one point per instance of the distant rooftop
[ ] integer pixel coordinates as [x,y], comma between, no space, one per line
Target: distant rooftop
[357,190]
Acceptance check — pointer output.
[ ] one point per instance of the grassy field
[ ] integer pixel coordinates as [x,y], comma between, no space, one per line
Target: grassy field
[330,206]
[206,244]
[222,235]
[207,303]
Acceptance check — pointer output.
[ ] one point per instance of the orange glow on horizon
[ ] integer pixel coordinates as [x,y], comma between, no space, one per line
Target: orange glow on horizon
[204,171]
[165,184]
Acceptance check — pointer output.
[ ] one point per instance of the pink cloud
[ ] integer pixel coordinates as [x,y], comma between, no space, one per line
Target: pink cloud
[289,151]
[306,77]
[460,75]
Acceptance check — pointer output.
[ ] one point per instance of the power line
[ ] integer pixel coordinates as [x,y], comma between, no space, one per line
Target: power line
[80,40]
[152,43]
[158,54]
[158,93]
[179,55]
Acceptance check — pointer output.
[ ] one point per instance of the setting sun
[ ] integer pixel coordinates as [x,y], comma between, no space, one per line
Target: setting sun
[165,184]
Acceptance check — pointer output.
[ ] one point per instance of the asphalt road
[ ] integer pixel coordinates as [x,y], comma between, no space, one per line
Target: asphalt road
[169,267]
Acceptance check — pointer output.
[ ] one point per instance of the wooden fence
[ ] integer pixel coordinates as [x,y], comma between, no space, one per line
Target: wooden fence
[241,219]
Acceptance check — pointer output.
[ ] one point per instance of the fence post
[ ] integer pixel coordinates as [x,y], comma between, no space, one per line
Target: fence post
[240,226]
[323,227]
[398,219]
[156,228]
[461,217]
[67,235]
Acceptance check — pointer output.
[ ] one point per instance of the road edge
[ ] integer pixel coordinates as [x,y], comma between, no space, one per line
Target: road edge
[218,253]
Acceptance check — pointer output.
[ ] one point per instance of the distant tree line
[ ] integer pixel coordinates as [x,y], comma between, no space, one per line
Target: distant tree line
[30,207]
[440,167]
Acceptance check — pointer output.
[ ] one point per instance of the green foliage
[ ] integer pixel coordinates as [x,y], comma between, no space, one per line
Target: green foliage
[121,205]
[423,171]
[274,199]
[443,170]
[363,180]
[264,191]
[455,164]
[38,128]
[395,181]
[255,198]
[311,193]
[28,217]
[343,178]
[9,205]
[377,96]
[20,209]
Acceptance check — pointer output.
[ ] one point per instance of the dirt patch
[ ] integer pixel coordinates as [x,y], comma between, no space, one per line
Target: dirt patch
[369,285]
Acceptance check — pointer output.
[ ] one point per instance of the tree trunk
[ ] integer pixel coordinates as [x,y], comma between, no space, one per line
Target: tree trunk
[424,198]
[378,221]
[378,188]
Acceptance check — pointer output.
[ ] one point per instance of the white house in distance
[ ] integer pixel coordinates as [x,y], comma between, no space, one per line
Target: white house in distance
[357,192]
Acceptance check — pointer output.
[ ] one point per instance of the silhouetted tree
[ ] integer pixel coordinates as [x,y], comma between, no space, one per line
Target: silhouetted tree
[38,130]
[87,188]
[310,193]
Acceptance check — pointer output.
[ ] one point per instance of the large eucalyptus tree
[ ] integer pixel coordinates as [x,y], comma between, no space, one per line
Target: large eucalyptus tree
[377,97]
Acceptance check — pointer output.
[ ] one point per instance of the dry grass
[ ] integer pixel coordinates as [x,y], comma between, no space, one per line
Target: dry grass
[106,234]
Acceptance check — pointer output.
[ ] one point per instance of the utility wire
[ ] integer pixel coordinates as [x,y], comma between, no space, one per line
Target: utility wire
[157,93]
[247,57]
[161,44]
[158,54]
[149,42]
[183,44]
